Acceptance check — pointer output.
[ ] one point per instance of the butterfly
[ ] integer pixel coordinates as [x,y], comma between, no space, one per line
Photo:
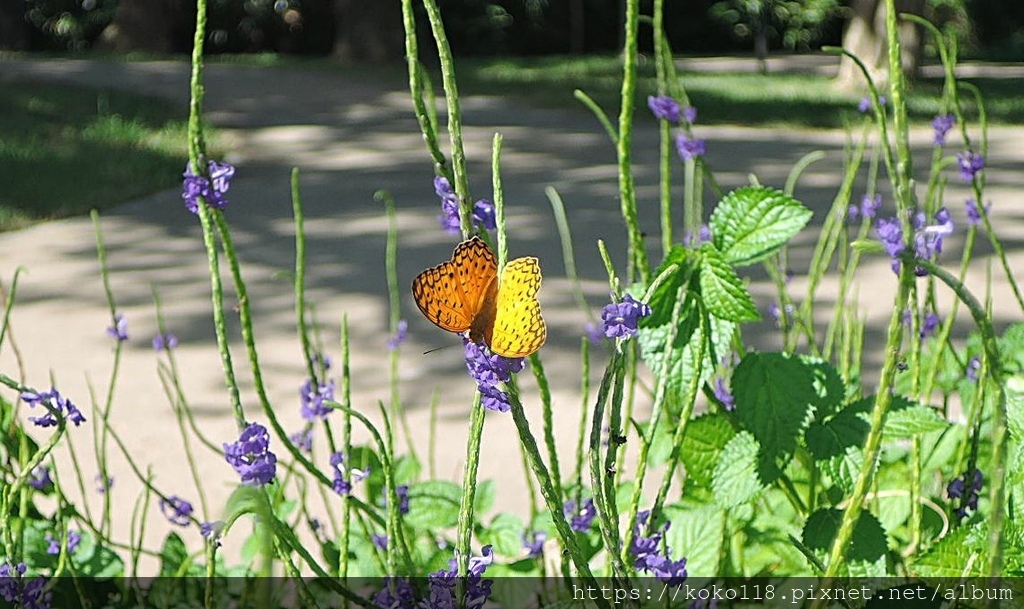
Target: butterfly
[465,293]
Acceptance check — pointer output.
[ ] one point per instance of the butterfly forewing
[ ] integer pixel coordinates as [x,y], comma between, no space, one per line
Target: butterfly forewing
[450,294]
[518,329]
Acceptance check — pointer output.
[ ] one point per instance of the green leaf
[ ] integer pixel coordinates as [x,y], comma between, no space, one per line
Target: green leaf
[483,501]
[774,395]
[753,222]
[1015,405]
[828,386]
[846,429]
[843,470]
[505,533]
[706,437]
[407,469]
[677,360]
[663,299]
[723,291]
[911,420]
[173,556]
[867,544]
[1011,347]
[735,480]
[433,504]
[961,553]
[698,534]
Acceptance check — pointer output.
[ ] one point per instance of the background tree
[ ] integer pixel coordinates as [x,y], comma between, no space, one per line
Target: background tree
[796,24]
[153,26]
[368,32]
[865,38]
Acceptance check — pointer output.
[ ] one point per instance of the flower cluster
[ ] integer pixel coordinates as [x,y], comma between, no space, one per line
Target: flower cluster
[966,488]
[313,398]
[177,510]
[621,319]
[929,323]
[647,554]
[251,456]
[489,369]
[15,589]
[53,543]
[303,440]
[211,190]
[118,331]
[399,593]
[582,517]
[54,403]
[534,543]
[941,124]
[483,210]
[868,208]
[341,485]
[927,238]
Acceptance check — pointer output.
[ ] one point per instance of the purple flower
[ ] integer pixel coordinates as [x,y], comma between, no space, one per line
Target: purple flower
[177,510]
[40,479]
[664,108]
[621,319]
[313,400]
[723,395]
[580,519]
[483,210]
[320,360]
[53,544]
[869,206]
[647,554]
[489,369]
[402,492]
[54,403]
[166,341]
[380,541]
[941,124]
[776,313]
[399,336]
[211,190]
[928,239]
[642,547]
[74,538]
[119,331]
[104,483]
[890,233]
[303,440]
[211,531]
[494,399]
[703,236]
[865,103]
[593,332]
[442,584]
[974,212]
[973,368]
[966,488]
[970,164]
[690,114]
[14,588]
[690,148]
[534,544]
[251,456]
[929,325]
[397,593]
[341,485]
[483,215]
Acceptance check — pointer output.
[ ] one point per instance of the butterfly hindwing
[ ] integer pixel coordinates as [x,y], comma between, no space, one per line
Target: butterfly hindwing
[518,329]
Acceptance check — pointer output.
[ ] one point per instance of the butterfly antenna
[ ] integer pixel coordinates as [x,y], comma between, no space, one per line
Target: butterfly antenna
[436,349]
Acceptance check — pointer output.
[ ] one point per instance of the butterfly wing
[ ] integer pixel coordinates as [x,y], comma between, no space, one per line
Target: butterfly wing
[518,328]
[452,293]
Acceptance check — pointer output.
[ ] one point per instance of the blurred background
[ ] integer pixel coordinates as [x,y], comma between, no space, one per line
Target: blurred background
[370,30]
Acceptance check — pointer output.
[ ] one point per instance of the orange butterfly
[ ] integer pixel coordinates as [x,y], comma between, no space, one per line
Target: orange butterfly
[464,294]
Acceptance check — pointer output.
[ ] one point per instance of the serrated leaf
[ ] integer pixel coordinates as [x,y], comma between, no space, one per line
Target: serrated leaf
[697,533]
[173,555]
[751,223]
[956,555]
[843,469]
[706,437]
[832,437]
[735,479]
[828,386]
[1011,347]
[505,533]
[676,360]
[867,544]
[433,504]
[774,394]
[912,420]
[722,290]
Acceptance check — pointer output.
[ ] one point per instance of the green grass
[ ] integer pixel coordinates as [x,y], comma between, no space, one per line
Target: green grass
[780,99]
[65,150]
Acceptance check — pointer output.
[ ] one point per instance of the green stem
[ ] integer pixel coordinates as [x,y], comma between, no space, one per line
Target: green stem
[627,190]
[417,88]
[469,484]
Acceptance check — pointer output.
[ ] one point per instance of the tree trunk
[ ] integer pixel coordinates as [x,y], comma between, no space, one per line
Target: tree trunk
[865,37]
[152,26]
[368,31]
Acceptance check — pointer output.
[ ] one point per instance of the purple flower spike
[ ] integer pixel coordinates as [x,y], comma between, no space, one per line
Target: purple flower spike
[869,206]
[55,403]
[212,190]
[40,479]
[664,108]
[941,124]
[723,395]
[690,114]
[969,164]
[163,342]
[251,456]
[621,320]
[400,335]
[580,519]
[534,544]
[974,212]
[690,148]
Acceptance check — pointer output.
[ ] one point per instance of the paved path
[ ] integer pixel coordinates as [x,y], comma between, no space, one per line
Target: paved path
[352,135]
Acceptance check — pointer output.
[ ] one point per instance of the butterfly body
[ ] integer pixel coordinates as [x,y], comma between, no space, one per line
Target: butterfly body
[465,294]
